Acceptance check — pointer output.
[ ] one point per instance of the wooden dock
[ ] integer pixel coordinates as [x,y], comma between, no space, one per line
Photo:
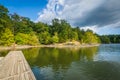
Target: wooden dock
[15,67]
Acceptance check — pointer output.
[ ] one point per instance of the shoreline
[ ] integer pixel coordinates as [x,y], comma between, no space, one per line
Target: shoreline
[16,47]
[48,46]
[71,46]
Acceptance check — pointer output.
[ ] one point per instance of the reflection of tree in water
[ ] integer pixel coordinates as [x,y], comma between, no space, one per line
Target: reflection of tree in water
[3,53]
[58,57]
[31,55]
[88,53]
[55,62]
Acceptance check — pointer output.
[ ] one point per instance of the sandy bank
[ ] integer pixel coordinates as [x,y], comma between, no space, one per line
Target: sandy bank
[52,45]
[16,47]
[71,46]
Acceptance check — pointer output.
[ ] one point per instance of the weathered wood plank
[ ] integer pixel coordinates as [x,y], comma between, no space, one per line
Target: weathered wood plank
[15,67]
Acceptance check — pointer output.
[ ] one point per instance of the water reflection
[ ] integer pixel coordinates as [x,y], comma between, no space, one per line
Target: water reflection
[108,52]
[94,63]
[53,63]
[58,57]
[3,53]
[93,71]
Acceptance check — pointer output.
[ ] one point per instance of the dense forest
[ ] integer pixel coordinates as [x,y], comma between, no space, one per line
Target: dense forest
[110,39]
[23,31]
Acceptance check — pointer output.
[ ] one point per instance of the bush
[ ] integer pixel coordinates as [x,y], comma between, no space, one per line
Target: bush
[44,38]
[6,38]
[26,39]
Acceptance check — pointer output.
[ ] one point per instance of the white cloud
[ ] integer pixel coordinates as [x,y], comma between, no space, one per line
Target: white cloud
[71,10]
[107,29]
[114,25]
[93,28]
[97,15]
[113,28]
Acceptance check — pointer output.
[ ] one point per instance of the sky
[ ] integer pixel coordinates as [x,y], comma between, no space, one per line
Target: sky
[101,16]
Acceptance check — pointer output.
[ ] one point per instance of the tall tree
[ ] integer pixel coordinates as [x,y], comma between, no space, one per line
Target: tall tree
[21,24]
[6,38]
[5,21]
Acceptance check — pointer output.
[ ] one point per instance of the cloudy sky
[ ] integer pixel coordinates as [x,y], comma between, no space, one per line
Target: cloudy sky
[102,16]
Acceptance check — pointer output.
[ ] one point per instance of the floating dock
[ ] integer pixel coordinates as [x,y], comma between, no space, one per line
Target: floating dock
[15,67]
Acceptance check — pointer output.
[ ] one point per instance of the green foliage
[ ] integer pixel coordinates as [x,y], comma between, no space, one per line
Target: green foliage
[44,38]
[21,24]
[6,37]
[110,38]
[5,21]
[55,38]
[40,27]
[33,39]
[56,26]
[20,38]
[29,33]
[73,36]
[79,32]
[63,36]
[26,39]
[90,38]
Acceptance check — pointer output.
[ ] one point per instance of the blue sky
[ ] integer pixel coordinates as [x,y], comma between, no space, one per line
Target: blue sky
[101,16]
[27,8]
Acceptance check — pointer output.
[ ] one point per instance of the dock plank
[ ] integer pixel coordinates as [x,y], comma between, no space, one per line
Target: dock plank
[15,67]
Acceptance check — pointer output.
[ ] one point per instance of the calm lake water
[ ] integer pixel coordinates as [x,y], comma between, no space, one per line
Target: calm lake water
[94,63]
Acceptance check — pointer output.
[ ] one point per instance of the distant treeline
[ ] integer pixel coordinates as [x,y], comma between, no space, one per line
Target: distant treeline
[110,38]
[23,31]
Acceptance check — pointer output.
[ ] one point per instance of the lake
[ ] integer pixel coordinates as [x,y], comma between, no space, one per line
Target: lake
[93,63]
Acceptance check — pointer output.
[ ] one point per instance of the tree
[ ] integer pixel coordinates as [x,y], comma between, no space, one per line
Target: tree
[90,37]
[44,38]
[63,36]
[79,32]
[26,39]
[33,39]
[6,38]
[105,39]
[40,27]
[21,24]
[73,35]
[5,21]
[56,26]
[55,38]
